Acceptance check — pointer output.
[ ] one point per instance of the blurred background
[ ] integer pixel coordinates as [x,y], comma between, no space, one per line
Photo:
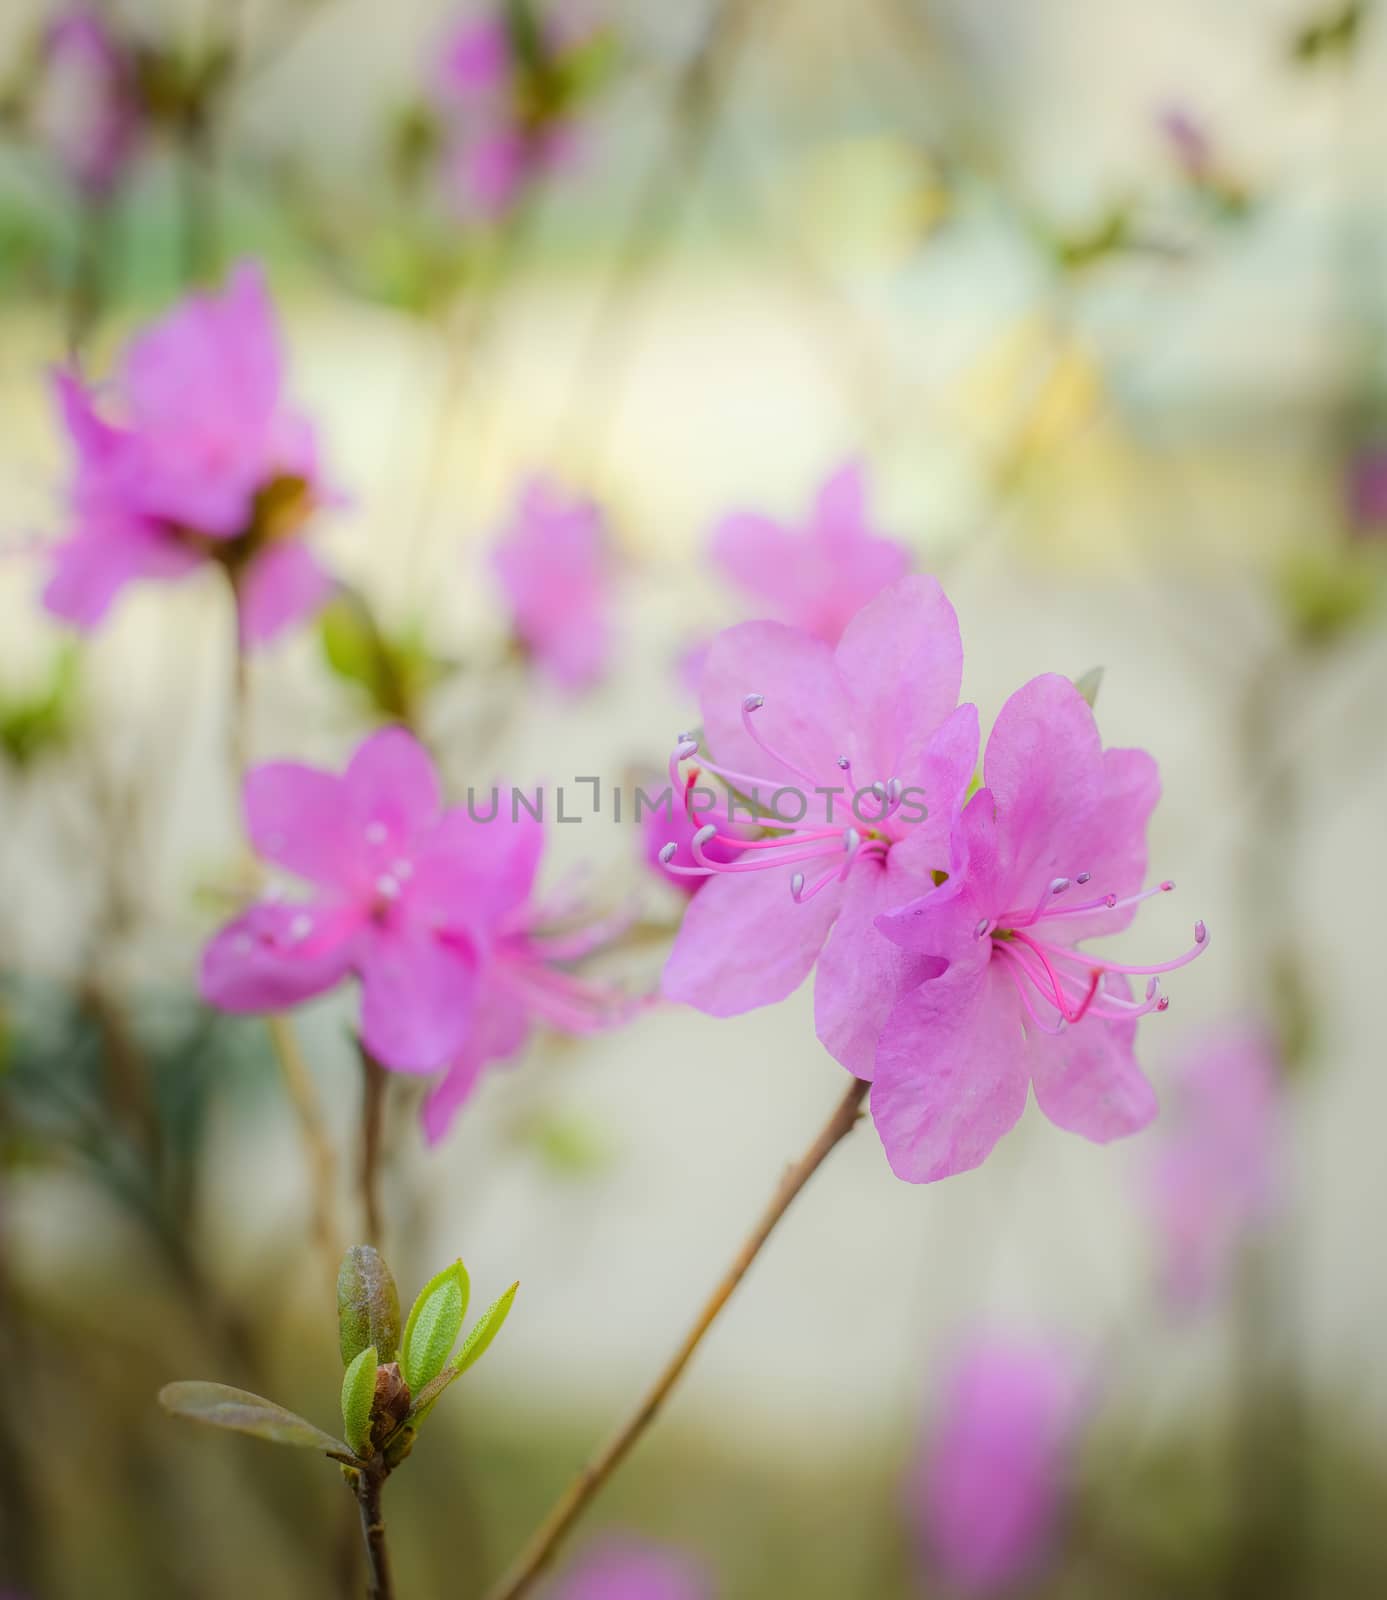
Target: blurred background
[1096,293]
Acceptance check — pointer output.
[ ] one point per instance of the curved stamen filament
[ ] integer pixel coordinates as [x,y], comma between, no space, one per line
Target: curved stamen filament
[754,702]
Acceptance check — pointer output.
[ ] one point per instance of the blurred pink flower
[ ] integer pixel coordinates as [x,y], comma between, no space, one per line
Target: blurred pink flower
[1015,1002]
[204,463]
[989,1493]
[504,87]
[863,738]
[1217,1174]
[628,1569]
[89,109]
[525,978]
[556,570]
[1366,490]
[406,897]
[817,577]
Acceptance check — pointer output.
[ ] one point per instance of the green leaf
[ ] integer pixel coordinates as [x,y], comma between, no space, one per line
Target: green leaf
[358,1393]
[435,1321]
[368,1305]
[218,1406]
[487,1326]
[475,1345]
[1088,684]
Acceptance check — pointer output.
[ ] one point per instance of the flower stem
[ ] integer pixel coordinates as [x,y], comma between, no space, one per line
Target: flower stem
[584,1488]
[372,1130]
[368,1495]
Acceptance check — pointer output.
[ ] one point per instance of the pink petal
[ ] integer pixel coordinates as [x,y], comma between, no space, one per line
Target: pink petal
[805,718]
[417,997]
[625,1569]
[744,943]
[901,660]
[283,585]
[1115,848]
[473,869]
[943,775]
[392,788]
[760,556]
[500,1027]
[277,955]
[91,568]
[950,1079]
[298,818]
[861,974]
[841,505]
[1087,1079]
[1044,766]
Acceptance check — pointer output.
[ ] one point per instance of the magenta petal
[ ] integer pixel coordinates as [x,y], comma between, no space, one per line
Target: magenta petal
[744,943]
[1044,766]
[1087,1079]
[944,772]
[805,716]
[901,660]
[759,555]
[861,974]
[277,955]
[90,569]
[298,818]
[627,1569]
[841,505]
[391,785]
[500,1027]
[1115,854]
[417,997]
[472,868]
[950,1080]
[283,585]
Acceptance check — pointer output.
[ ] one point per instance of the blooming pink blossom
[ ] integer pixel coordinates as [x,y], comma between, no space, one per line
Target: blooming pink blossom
[1052,852]
[554,566]
[506,89]
[843,749]
[989,1492]
[628,1569]
[89,106]
[203,462]
[1215,1178]
[430,907]
[817,577]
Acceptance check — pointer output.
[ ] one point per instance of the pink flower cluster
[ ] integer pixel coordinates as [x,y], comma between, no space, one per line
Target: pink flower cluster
[505,90]
[949,946]
[431,908]
[197,459]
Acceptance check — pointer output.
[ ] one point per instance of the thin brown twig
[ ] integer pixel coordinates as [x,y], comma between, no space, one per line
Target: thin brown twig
[368,1495]
[584,1488]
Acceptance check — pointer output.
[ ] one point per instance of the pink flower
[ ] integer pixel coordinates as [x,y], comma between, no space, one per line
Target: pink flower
[508,88]
[1050,853]
[406,895]
[1216,1176]
[839,751]
[89,109]
[554,566]
[626,1569]
[989,1493]
[204,463]
[818,577]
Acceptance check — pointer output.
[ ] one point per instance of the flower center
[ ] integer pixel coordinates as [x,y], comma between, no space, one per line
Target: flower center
[1060,984]
[875,812]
